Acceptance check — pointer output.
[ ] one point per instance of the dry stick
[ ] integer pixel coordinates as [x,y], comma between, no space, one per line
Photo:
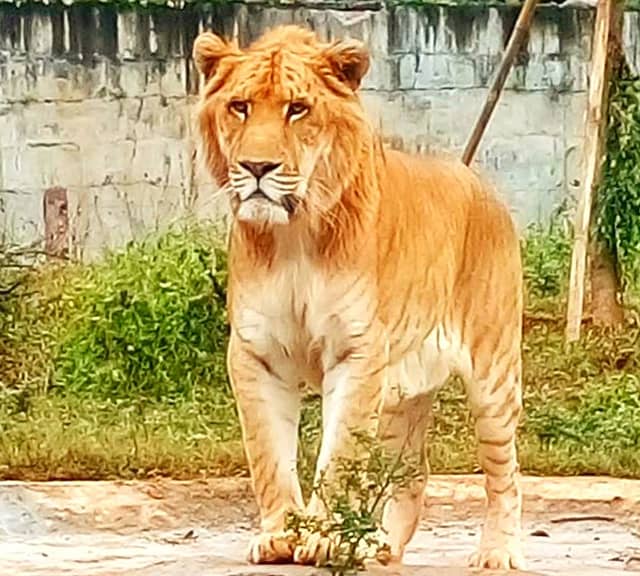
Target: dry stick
[594,130]
[518,36]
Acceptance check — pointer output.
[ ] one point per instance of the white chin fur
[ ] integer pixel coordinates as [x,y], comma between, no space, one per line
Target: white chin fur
[262,211]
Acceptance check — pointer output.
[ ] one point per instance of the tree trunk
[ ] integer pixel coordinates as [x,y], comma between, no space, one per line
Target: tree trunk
[606,294]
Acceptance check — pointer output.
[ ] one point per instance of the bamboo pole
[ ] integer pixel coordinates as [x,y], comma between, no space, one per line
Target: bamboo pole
[516,40]
[594,132]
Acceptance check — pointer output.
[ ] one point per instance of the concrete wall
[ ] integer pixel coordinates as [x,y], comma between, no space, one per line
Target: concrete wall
[99,100]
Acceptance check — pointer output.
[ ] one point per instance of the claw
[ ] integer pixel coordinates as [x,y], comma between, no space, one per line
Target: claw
[269,548]
[505,557]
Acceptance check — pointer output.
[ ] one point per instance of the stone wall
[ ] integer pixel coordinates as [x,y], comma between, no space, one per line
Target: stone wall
[99,101]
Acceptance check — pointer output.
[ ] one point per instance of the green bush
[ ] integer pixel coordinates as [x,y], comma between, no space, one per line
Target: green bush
[618,197]
[546,257]
[603,415]
[147,322]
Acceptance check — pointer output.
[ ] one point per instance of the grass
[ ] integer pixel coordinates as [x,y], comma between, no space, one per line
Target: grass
[116,370]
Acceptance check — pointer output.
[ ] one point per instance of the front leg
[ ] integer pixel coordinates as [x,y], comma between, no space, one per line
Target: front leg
[269,411]
[496,406]
[352,389]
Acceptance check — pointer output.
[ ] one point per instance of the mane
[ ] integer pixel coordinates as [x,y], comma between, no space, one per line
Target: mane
[289,36]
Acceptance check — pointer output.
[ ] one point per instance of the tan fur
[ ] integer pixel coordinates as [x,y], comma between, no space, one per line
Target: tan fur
[366,274]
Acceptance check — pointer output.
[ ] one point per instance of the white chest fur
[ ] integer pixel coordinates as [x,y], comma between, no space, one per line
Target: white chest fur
[299,317]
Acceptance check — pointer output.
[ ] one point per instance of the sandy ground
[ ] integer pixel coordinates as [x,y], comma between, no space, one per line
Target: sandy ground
[581,526]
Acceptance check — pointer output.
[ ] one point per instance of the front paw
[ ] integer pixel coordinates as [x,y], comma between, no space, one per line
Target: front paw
[500,556]
[272,548]
[320,550]
[313,549]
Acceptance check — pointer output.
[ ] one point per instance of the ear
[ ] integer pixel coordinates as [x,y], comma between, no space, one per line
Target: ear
[208,50]
[349,60]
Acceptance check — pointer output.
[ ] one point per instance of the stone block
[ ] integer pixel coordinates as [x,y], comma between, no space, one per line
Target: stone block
[21,219]
[106,165]
[403,117]
[452,116]
[14,85]
[631,39]
[574,109]
[173,82]
[381,74]
[11,125]
[155,117]
[535,43]
[443,71]
[489,36]
[579,71]
[78,122]
[522,113]
[558,74]
[110,216]
[140,79]
[485,66]
[407,70]
[160,161]
[537,161]
[13,169]
[551,38]
[427,30]
[357,24]
[133,34]
[40,34]
[40,165]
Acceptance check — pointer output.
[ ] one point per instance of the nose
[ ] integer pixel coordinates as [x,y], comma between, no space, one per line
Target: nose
[259,169]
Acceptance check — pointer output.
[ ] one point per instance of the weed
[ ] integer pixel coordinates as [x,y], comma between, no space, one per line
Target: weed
[353,502]
[546,257]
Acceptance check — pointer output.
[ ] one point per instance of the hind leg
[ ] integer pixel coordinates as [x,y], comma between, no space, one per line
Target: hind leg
[495,398]
[405,417]
[403,427]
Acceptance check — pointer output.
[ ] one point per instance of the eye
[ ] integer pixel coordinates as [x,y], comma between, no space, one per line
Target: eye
[297,109]
[239,108]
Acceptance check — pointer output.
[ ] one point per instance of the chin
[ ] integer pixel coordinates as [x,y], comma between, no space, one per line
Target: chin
[262,212]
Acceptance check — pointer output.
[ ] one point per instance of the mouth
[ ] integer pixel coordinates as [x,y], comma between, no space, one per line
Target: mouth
[258,194]
[289,202]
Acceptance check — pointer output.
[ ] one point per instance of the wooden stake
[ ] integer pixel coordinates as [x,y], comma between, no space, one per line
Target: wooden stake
[594,133]
[56,223]
[518,37]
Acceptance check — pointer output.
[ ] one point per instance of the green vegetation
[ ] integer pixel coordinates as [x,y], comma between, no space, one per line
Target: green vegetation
[355,500]
[116,369]
[618,210]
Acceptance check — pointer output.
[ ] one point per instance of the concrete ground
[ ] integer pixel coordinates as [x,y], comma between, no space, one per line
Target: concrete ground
[581,526]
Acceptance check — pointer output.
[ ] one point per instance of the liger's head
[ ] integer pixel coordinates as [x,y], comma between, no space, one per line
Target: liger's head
[283,129]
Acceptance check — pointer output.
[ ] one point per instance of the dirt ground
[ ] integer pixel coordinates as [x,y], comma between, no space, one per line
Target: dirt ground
[585,526]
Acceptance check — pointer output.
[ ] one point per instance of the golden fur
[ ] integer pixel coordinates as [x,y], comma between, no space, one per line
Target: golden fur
[366,274]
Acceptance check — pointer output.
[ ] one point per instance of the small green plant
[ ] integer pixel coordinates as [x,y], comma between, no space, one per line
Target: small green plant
[546,257]
[354,500]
